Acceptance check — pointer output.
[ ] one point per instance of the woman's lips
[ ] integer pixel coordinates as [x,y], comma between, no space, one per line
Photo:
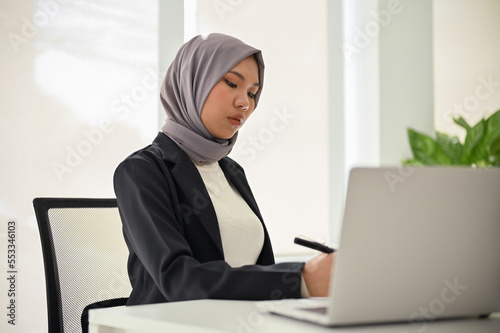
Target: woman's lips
[236,120]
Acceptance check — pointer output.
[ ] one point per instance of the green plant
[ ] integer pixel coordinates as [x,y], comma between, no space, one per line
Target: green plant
[481,146]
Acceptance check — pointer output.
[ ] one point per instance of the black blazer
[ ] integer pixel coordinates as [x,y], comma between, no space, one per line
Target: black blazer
[172,233]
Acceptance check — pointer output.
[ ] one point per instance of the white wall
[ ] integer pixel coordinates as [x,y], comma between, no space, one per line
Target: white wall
[466,65]
[406,76]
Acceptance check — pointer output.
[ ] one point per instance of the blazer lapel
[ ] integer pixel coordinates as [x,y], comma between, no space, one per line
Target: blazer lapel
[236,177]
[189,181]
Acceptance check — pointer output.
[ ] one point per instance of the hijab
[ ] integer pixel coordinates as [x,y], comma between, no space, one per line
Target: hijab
[197,67]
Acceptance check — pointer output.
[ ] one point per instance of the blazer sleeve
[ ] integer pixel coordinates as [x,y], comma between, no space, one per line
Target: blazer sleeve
[154,232]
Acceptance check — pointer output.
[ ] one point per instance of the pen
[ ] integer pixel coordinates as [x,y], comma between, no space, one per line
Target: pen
[313,245]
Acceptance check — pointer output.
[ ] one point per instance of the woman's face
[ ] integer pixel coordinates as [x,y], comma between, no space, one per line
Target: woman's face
[232,100]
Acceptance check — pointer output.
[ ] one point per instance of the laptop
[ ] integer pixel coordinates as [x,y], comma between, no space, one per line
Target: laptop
[417,244]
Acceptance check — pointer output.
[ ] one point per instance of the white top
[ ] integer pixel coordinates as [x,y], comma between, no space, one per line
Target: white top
[241,231]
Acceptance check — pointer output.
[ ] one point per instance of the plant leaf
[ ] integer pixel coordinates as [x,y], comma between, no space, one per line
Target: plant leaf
[481,146]
[494,148]
[410,161]
[450,146]
[492,136]
[425,150]
[462,123]
[473,150]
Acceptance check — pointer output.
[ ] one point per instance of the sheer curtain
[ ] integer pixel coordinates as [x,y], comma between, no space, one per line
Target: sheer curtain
[79,93]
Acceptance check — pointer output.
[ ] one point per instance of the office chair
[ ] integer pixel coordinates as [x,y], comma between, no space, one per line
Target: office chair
[85,259]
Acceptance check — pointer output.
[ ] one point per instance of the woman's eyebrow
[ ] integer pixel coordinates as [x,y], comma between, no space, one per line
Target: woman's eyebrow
[242,77]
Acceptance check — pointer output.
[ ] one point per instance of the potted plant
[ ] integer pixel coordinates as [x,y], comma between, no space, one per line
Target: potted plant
[481,146]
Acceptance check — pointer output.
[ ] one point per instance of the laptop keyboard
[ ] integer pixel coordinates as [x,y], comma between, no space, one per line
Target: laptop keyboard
[320,310]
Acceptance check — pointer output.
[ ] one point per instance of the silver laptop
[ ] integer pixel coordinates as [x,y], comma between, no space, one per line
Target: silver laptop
[417,244]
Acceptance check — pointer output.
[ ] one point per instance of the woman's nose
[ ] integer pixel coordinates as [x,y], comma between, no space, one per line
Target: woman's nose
[242,102]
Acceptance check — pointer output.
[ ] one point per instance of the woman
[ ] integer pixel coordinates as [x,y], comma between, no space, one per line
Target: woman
[190,220]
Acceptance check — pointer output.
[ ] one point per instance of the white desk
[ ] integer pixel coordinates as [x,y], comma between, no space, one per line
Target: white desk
[247,317]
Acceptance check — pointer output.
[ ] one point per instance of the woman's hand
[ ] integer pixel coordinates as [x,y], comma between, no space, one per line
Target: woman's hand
[316,274]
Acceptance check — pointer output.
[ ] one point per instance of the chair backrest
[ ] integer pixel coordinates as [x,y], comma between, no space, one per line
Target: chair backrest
[84,254]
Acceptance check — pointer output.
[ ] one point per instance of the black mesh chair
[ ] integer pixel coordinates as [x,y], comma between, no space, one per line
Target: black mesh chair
[85,259]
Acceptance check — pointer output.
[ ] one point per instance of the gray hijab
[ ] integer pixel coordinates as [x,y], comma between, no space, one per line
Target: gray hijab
[198,66]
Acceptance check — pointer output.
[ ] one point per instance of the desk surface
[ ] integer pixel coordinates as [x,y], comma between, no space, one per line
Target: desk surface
[246,317]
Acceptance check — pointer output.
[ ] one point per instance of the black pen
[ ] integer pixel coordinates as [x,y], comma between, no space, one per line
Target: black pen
[313,245]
